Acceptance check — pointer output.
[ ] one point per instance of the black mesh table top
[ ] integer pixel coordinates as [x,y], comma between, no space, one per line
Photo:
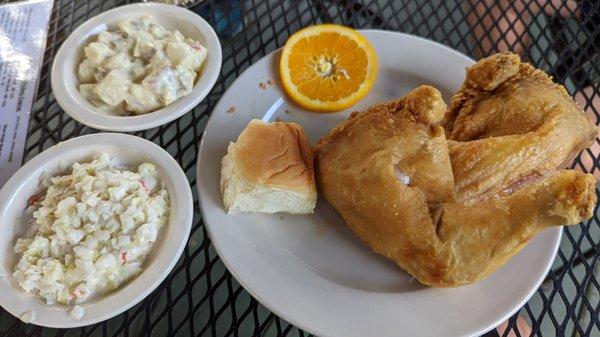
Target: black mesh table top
[200,297]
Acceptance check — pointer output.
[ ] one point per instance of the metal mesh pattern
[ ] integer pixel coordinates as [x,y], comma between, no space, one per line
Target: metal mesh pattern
[200,297]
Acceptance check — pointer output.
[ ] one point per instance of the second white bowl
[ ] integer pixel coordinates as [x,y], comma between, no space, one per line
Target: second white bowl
[123,149]
[64,70]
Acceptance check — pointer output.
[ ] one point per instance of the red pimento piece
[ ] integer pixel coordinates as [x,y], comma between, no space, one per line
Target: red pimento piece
[196,46]
[33,199]
[153,84]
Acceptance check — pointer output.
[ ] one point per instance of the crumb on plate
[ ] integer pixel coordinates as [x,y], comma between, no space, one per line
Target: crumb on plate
[266,85]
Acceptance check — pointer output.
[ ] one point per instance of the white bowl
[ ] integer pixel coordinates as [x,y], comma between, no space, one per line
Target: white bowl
[66,61]
[125,150]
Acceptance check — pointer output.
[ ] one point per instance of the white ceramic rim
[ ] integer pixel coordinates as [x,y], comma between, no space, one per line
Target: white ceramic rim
[153,275]
[285,312]
[83,111]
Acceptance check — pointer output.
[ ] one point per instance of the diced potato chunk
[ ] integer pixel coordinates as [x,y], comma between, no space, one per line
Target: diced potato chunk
[107,38]
[142,100]
[113,88]
[138,70]
[97,52]
[186,78]
[87,90]
[184,55]
[131,26]
[86,71]
[118,61]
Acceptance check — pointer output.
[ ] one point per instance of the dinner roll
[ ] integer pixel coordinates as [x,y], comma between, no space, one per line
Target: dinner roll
[269,169]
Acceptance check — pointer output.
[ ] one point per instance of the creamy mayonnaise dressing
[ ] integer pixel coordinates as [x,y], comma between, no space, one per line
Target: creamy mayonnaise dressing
[139,67]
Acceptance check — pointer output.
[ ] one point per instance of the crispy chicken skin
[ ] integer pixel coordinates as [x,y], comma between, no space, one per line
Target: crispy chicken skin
[387,171]
[509,123]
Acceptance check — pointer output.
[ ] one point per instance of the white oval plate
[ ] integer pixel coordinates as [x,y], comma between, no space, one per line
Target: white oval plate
[126,150]
[66,61]
[312,270]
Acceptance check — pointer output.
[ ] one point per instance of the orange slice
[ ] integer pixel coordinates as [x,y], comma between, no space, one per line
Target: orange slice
[327,67]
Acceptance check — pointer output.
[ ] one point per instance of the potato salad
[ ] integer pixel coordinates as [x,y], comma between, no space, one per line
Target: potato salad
[91,230]
[139,67]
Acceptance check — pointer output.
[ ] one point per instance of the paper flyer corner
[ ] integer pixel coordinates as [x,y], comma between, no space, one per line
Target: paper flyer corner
[24,26]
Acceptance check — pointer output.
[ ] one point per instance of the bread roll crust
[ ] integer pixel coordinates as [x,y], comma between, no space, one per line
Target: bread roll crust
[277,155]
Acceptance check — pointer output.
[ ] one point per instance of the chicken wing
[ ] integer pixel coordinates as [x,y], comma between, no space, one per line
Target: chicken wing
[510,124]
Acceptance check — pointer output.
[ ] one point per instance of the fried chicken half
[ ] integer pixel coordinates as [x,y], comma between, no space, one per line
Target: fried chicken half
[510,124]
[387,171]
